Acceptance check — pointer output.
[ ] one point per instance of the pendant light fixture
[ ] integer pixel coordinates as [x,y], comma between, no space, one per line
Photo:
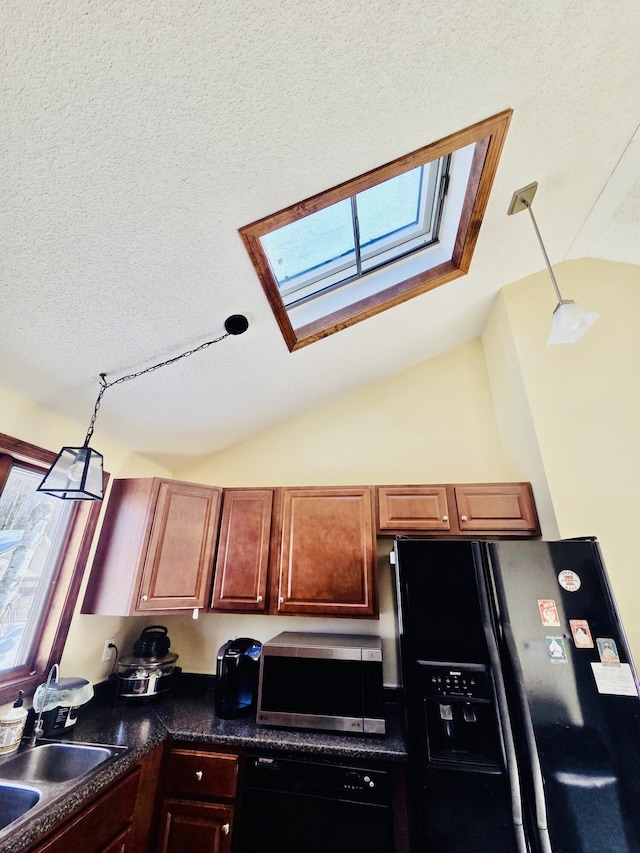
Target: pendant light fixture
[76,474]
[570,321]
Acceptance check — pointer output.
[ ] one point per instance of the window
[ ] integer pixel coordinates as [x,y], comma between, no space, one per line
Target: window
[384,237]
[44,544]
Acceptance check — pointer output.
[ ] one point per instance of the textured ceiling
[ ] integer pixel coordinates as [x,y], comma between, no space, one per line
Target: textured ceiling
[137,137]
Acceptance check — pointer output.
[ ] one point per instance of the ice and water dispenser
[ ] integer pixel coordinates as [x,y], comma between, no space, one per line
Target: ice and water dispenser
[460,719]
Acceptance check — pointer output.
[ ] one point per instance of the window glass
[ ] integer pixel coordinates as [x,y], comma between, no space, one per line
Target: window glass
[353,236]
[33,528]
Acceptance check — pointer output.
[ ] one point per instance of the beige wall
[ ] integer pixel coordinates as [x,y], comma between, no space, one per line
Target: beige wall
[506,407]
[584,408]
[24,420]
[432,423]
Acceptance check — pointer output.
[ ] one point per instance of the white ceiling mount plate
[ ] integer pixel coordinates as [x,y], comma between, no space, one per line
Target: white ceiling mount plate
[522,199]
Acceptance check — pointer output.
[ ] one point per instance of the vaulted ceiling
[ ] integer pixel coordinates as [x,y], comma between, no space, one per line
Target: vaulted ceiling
[137,137]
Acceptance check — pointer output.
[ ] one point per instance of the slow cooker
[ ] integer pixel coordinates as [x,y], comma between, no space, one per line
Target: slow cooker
[151,670]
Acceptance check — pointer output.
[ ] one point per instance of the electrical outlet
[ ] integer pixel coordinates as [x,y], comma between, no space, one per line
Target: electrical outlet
[108,651]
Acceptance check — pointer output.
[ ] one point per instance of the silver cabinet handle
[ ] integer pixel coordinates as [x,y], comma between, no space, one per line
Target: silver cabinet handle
[199,775]
[281,600]
[463,518]
[225,828]
[145,597]
[259,598]
[445,518]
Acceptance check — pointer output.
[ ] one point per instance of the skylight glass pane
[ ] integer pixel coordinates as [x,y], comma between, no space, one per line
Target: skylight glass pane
[312,243]
[389,207]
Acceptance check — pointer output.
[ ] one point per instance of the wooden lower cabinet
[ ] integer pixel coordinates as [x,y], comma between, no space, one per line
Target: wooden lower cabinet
[121,844]
[117,820]
[105,826]
[196,809]
[194,826]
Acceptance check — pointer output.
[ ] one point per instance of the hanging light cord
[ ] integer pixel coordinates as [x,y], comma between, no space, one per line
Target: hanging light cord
[234,325]
[544,252]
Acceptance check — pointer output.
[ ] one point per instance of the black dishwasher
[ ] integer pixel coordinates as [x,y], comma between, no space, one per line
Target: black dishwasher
[292,804]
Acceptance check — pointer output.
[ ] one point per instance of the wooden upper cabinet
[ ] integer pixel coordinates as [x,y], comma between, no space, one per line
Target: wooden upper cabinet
[504,507]
[404,507]
[156,548]
[242,559]
[486,509]
[326,560]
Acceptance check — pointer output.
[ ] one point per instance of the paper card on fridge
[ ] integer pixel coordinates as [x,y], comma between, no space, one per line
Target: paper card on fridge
[608,651]
[548,612]
[581,633]
[556,650]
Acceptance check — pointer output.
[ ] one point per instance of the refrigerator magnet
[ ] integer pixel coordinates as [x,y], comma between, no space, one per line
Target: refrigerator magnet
[556,650]
[569,580]
[608,651]
[548,612]
[581,633]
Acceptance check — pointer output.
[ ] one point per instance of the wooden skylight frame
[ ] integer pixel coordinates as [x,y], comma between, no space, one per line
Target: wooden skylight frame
[488,138]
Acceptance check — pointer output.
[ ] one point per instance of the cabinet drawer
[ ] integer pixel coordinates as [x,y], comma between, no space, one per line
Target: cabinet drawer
[202,774]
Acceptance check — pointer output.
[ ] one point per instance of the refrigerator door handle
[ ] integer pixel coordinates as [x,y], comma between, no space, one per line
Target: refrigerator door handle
[539,802]
[503,713]
[529,736]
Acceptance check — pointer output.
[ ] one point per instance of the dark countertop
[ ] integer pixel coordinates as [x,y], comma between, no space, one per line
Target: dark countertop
[189,716]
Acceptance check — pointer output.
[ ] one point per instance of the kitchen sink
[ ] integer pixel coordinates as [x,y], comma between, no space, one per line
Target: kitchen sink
[54,762]
[15,801]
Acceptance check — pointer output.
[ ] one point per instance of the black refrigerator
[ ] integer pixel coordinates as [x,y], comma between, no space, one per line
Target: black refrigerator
[523,714]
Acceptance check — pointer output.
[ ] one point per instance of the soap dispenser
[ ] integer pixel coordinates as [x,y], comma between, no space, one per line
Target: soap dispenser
[12,726]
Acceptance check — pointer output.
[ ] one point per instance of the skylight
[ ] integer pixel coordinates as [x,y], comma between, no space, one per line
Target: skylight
[384,237]
[350,238]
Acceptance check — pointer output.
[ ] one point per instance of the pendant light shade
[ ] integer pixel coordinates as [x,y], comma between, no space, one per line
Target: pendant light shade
[570,321]
[76,475]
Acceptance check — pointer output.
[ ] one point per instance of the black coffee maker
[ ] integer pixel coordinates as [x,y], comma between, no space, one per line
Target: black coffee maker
[237,669]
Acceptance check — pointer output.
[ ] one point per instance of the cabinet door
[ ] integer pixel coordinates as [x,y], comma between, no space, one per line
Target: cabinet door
[327,553]
[190,827]
[155,550]
[104,823]
[507,507]
[243,551]
[121,844]
[179,559]
[402,509]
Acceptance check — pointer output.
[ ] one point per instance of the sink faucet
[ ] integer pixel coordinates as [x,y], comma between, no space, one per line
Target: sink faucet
[38,728]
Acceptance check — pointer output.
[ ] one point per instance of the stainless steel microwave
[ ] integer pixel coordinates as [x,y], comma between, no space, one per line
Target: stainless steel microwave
[328,682]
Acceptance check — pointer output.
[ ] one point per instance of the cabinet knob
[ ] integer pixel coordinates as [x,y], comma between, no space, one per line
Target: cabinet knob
[225,828]
[463,518]
[281,600]
[259,598]
[445,518]
[145,597]
[199,775]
